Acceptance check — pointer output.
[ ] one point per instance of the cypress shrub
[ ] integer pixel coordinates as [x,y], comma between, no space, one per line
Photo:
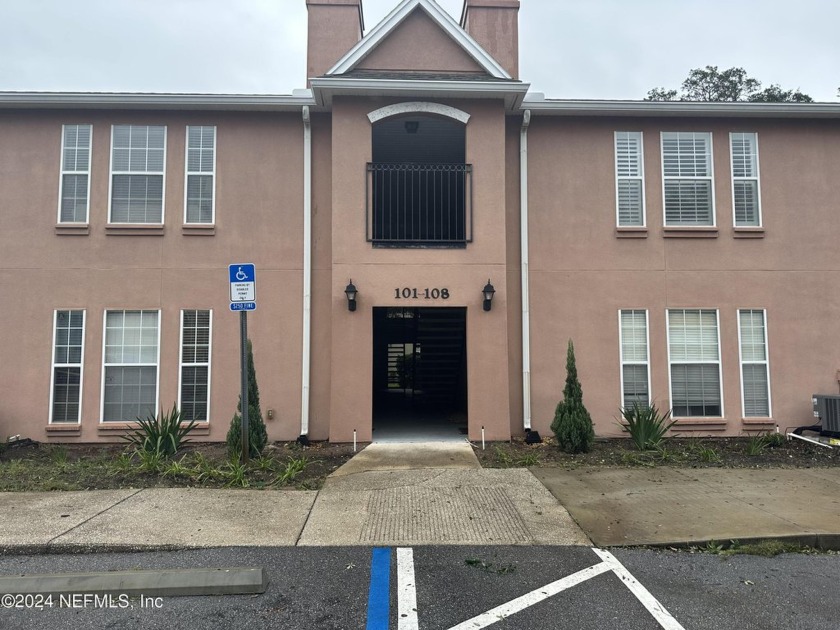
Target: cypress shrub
[572,424]
[257,436]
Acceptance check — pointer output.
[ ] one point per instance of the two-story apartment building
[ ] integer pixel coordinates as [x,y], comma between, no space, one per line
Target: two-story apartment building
[688,249]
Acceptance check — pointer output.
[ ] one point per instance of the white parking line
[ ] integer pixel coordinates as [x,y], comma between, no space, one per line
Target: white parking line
[406,590]
[665,619]
[534,597]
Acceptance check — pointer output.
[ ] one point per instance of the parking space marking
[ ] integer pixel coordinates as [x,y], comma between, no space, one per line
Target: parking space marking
[665,619]
[529,599]
[379,605]
[406,590]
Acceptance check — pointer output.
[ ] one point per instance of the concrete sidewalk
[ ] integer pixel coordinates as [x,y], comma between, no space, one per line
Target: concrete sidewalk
[678,506]
[414,494]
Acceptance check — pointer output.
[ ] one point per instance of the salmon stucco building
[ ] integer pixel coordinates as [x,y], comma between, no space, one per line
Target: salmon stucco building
[428,233]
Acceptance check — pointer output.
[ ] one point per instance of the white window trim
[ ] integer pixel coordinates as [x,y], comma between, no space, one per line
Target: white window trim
[719,362]
[157,364]
[80,365]
[711,179]
[209,363]
[622,362]
[640,177]
[187,174]
[757,180]
[766,364]
[62,173]
[163,173]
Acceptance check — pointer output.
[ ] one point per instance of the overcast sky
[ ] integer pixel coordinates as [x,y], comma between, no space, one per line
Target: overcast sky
[597,49]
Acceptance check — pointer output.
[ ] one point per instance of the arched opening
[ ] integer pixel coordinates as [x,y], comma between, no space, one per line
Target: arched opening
[419,185]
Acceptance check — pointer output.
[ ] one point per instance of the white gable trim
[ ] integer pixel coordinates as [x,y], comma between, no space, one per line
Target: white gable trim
[396,17]
[418,107]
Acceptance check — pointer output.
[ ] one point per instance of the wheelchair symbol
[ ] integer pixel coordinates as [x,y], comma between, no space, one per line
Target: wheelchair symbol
[241,275]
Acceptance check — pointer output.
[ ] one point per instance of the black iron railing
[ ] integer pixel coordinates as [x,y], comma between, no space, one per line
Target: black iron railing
[415,205]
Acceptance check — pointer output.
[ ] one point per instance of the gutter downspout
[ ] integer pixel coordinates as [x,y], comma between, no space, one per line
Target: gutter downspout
[523,234]
[307,273]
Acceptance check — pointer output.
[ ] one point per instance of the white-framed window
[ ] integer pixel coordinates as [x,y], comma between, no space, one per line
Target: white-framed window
[199,189]
[130,358]
[74,186]
[755,372]
[67,366]
[194,385]
[629,179]
[694,359]
[687,182]
[746,192]
[138,160]
[635,362]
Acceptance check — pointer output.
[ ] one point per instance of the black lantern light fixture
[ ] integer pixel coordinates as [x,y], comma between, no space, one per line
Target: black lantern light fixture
[350,291]
[488,292]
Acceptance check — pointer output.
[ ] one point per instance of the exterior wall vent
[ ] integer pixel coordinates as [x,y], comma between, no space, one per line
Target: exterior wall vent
[827,409]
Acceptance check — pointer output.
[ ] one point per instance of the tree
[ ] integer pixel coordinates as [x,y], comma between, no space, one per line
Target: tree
[257,436]
[572,424]
[711,84]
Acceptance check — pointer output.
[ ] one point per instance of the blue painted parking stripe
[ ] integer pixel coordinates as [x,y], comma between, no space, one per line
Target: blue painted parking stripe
[379,596]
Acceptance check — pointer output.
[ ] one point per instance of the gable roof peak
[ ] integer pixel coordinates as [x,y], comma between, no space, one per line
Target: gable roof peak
[396,17]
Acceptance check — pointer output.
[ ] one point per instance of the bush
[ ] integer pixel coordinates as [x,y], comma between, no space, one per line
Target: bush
[646,426]
[257,436]
[160,435]
[572,424]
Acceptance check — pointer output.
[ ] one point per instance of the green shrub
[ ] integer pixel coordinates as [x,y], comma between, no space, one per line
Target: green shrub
[572,424]
[757,443]
[257,436]
[646,425]
[162,435]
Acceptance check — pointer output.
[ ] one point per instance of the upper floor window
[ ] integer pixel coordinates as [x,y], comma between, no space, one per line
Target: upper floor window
[138,158]
[745,190]
[694,356]
[201,171]
[74,193]
[688,187]
[629,179]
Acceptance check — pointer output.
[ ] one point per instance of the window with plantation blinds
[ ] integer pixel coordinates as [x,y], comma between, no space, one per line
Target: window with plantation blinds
[687,179]
[75,174]
[694,357]
[195,365]
[745,189]
[755,381]
[635,375]
[629,179]
[138,157]
[201,171]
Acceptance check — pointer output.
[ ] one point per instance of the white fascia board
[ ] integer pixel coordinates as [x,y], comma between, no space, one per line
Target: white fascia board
[113,100]
[325,88]
[396,17]
[540,106]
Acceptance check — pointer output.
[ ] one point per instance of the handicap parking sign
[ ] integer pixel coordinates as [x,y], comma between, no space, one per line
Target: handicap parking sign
[243,287]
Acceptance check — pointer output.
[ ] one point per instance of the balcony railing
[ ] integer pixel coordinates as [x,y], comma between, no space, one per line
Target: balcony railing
[417,205]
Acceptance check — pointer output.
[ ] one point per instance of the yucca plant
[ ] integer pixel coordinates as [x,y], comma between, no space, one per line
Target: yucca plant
[163,434]
[646,425]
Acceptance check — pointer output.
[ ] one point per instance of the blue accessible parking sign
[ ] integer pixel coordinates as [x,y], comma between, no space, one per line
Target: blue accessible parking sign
[243,287]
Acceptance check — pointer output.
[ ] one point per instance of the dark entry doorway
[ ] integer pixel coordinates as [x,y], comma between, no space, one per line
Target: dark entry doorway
[419,373]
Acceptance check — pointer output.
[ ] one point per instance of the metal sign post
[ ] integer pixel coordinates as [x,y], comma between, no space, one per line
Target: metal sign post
[243,298]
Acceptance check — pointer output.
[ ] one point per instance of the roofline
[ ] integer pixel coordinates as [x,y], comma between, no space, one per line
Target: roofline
[513,92]
[542,107]
[122,100]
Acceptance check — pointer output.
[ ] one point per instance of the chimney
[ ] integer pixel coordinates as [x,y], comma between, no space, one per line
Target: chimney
[335,26]
[494,24]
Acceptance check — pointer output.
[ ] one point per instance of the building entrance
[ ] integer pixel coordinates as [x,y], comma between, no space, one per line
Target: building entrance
[419,374]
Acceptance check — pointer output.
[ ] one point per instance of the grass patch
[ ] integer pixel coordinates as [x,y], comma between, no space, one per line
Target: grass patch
[769,548]
[489,567]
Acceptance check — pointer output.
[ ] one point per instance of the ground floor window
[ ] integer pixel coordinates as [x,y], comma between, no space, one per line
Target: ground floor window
[755,381]
[694,357]
[68,350]
[130,365]
[635,373]
[195,365]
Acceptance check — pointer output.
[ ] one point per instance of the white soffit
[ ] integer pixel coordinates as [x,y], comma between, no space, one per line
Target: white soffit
[396,17]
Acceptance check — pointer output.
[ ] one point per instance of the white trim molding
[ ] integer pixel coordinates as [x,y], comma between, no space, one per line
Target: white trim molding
[418,107]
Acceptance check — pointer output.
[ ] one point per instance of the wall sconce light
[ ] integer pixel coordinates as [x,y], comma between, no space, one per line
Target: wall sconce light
[488,292]
[351,292]
[411,126]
